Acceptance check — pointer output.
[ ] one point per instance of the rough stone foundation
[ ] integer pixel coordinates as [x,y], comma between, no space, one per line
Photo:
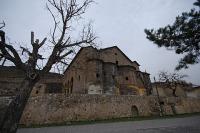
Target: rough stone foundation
[59,108]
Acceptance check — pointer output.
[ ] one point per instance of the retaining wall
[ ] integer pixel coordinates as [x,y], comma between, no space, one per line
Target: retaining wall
[59,108]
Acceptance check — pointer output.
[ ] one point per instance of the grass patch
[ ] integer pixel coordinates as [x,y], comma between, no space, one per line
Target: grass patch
[124,119]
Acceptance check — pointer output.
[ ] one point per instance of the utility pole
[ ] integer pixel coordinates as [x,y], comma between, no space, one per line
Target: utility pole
[158,97]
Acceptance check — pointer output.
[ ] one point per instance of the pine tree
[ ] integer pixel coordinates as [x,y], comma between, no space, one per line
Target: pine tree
[183,36]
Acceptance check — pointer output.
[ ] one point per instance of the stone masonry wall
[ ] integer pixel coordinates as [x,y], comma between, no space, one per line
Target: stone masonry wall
[11,78]
[59,108]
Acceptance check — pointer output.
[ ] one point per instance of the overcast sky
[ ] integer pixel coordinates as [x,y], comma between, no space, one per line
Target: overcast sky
[115,22]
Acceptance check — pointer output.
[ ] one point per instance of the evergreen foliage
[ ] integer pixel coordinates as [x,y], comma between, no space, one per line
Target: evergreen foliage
[183,36]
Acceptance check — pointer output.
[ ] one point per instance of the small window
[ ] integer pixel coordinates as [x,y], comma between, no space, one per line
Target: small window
[117,62]
[36,92]
[115,53]
[126,78]
[97,75]
[113,76]
[68,83]
[79,77]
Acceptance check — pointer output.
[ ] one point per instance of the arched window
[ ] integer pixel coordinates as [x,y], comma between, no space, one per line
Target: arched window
[113,77]
[71,86]
[117,62]
[37,91]
[97,75]
[68,84]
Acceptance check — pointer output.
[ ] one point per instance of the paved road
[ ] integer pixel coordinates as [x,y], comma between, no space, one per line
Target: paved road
[175,125]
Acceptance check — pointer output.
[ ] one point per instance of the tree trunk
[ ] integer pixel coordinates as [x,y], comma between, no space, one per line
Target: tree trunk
[16,107]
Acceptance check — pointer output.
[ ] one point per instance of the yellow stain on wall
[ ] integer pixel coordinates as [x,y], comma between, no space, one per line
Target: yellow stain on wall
[117,90]
[141,91]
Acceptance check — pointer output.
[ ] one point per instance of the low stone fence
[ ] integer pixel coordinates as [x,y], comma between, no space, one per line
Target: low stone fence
[59,108]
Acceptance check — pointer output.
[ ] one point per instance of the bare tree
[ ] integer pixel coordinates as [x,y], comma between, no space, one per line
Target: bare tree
[172,81]
[64,13]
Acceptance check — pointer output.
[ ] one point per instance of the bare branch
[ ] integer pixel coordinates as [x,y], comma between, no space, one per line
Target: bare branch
[3,25]
[25,50]
[55,23]
[42,42]
[13,57]
[32,37]
[172,80]
[66,54]
[67,10]
[3,62]
[65,63]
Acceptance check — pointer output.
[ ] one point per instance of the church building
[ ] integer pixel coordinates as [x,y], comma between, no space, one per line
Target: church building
[105,71]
